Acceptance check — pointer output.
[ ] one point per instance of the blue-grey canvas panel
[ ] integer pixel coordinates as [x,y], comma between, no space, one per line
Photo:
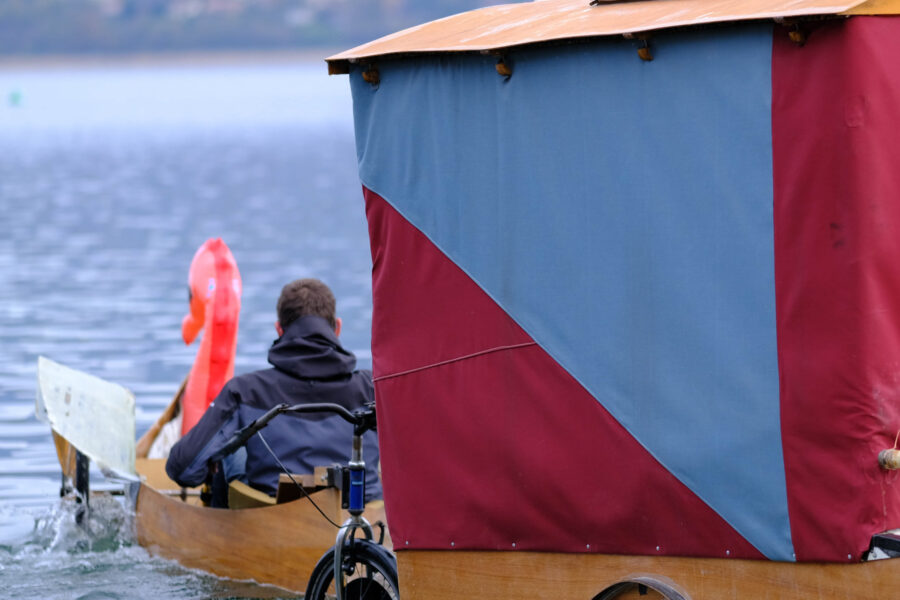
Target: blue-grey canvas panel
[621,212]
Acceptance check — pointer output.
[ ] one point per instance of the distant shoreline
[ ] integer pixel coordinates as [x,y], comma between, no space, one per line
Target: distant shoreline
[179,58]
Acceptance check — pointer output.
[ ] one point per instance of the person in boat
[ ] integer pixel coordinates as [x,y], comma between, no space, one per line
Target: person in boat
[308,365]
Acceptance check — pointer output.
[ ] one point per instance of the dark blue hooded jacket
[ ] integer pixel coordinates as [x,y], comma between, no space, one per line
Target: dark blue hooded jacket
[308,365]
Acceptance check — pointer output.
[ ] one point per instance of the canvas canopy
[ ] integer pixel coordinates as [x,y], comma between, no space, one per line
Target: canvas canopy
[638,307]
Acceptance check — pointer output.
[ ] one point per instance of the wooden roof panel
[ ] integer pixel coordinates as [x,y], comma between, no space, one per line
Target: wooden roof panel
[507,25]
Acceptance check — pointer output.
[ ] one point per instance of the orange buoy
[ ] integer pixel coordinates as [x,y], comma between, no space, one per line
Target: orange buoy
[215,298]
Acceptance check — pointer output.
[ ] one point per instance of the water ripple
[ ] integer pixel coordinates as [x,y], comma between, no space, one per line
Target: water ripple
[109,181]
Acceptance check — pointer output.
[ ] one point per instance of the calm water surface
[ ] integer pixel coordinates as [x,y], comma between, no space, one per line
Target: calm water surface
[110,178]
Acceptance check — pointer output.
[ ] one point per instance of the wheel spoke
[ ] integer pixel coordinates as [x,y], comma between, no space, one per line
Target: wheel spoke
[372,574]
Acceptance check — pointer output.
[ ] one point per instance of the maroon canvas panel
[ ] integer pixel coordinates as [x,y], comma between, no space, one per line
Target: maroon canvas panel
[487,443]
[836,143]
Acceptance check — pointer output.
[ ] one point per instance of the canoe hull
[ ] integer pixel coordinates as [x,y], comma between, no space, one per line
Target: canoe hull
[277,545]
[441,575]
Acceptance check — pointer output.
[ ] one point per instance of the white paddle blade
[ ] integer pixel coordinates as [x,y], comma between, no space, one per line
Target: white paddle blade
[95,416]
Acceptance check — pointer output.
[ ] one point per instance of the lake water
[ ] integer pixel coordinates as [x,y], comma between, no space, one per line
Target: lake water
[111,176]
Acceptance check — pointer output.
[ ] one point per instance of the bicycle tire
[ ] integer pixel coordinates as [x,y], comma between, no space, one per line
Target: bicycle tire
[374,574]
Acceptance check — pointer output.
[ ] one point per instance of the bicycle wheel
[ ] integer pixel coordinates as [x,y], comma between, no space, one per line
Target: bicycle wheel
[370,573]
[655,586]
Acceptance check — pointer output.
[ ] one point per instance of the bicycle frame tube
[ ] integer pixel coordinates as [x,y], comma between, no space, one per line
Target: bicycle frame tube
[356,493]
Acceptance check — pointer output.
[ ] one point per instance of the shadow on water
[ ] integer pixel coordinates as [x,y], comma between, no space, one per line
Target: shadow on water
[56,558]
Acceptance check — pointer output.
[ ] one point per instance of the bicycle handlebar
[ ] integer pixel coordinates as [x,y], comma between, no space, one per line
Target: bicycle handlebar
[362,419]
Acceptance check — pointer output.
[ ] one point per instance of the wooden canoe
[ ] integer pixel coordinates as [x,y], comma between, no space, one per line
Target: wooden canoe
[273,544]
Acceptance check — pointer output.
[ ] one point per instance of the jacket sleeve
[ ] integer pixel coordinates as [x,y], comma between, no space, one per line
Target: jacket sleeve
[188,460]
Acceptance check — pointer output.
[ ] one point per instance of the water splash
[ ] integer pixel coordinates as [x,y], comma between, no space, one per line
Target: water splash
[107,527]
[46,554]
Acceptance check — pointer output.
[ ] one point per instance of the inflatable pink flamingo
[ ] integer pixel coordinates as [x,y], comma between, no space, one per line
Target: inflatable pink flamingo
[215,299]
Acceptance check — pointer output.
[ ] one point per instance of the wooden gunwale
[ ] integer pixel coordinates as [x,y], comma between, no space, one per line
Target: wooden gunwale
[142,447]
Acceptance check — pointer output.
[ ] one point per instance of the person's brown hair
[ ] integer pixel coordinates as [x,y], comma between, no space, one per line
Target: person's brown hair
[304,297]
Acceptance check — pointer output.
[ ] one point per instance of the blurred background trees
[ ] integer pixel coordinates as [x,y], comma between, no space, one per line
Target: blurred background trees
[114,26]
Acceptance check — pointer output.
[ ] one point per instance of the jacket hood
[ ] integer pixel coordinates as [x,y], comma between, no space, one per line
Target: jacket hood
[310,349]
